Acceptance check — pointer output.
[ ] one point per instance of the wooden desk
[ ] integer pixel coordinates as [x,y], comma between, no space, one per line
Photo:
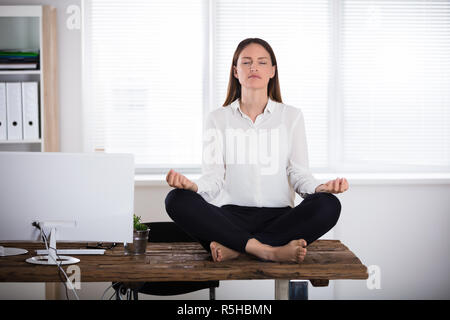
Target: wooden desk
[325,260]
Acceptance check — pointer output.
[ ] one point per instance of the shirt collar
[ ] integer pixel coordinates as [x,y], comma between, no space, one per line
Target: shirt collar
[235,105]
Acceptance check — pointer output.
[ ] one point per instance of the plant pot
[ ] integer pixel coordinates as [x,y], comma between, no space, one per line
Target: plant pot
[139,245]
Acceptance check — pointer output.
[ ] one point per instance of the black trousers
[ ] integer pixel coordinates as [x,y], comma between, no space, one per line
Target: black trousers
[233,225]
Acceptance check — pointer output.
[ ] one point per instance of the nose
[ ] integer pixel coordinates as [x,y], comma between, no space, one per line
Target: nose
[253,66]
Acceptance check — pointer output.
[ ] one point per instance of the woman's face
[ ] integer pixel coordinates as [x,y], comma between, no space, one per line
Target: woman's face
[254,67]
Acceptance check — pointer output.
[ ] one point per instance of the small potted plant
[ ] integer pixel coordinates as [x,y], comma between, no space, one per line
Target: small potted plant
[140,238]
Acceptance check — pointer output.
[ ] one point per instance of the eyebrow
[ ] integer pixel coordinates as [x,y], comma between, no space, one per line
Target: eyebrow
[258,58]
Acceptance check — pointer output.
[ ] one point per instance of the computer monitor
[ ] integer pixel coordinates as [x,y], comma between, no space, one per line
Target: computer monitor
[81,197]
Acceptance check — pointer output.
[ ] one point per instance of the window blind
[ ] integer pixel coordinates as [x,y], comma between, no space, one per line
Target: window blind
[145,63]
[394,85]
[371,77]
[299,34]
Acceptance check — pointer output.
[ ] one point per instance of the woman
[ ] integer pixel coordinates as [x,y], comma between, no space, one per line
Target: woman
[241,207]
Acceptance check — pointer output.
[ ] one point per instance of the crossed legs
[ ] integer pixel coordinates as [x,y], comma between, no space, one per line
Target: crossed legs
[284,236]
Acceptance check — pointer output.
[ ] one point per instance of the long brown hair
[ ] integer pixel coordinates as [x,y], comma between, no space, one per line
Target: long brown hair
[234,86]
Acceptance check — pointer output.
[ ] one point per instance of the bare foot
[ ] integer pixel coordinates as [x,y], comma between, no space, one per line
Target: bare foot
[221,253]
[294,251]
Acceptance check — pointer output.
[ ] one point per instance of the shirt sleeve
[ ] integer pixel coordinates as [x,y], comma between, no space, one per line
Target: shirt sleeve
[213,168]
[299,174]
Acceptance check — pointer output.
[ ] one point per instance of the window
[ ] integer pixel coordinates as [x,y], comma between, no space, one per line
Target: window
[299,33]
[393,84]
[144,63]
[371,77]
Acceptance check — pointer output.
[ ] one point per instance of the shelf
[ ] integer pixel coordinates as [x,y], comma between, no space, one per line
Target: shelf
[20,71]
[34,27]
[21,11]
[20,141]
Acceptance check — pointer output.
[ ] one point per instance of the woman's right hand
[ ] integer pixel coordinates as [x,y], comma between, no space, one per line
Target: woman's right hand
[177,180]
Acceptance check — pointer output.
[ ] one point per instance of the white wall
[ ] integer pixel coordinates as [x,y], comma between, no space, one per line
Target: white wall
[405,230]
[402,228]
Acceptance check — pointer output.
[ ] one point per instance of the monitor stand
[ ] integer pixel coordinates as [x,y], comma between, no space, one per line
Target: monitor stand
[6,252]
[52,259]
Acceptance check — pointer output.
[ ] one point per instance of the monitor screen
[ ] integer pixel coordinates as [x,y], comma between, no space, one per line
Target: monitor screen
[90,196]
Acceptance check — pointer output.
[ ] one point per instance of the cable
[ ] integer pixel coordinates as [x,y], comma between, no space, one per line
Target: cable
[100,246]
[58,264]
[104,292]
[110,298]
[44,238]
[60,269]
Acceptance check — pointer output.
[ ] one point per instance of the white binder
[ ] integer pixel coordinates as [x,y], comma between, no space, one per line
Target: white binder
[14,110]
[3,123]
[30,110]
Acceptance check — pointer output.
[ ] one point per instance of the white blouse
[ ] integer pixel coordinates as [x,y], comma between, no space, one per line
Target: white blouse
[260,164]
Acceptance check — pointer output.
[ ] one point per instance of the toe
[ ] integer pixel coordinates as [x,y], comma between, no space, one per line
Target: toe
[213,251]
[302,253]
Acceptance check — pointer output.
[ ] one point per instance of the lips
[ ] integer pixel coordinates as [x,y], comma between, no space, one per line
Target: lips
[257,77]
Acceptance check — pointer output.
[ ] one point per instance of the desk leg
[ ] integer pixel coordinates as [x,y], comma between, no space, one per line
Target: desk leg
[282,289]
[291,290]
[298,290]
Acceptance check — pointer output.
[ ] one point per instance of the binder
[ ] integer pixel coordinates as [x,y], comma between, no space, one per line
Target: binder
[30,110]
[3,123]
[14,110]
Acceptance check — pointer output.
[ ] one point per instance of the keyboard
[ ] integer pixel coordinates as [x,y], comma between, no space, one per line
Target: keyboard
[73,251]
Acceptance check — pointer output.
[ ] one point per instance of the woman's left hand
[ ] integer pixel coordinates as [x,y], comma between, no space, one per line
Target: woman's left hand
[333,186]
